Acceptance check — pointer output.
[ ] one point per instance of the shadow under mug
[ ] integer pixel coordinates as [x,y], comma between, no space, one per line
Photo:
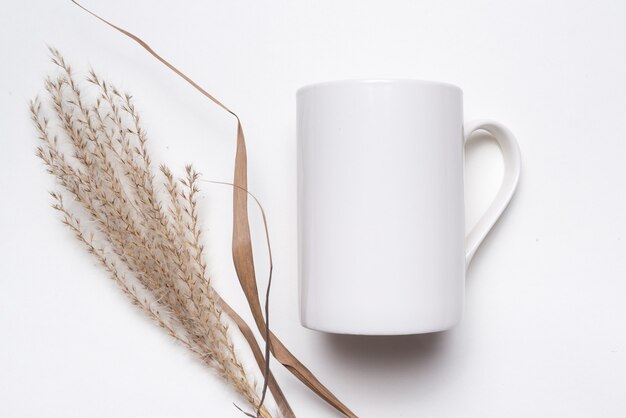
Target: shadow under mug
[381,235]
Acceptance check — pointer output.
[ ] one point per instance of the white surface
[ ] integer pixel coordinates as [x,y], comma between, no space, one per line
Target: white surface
[380,172]
[544,327]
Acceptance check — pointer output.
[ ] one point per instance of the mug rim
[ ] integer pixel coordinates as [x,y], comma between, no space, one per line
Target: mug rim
[331,83]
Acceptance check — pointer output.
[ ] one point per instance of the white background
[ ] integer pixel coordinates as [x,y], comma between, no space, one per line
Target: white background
[544,332]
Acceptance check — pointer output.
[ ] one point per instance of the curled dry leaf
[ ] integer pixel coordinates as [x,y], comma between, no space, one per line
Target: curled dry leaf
[241,244]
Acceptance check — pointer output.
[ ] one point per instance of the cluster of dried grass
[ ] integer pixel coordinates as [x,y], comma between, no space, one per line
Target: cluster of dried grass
[145,232]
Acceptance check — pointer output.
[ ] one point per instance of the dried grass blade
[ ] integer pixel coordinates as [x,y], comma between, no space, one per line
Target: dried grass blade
[242,244]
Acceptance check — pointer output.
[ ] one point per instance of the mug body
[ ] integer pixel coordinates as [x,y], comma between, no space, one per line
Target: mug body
[380,206]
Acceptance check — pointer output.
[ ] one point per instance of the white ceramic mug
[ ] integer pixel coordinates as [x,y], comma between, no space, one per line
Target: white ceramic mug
[382,246]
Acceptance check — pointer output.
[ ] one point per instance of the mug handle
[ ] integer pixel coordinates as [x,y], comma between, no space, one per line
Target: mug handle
[512,165]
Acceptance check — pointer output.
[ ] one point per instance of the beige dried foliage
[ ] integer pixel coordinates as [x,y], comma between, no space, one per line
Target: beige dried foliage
[145,232]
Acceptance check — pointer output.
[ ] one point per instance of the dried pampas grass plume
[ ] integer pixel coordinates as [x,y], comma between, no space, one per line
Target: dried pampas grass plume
[145,232]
